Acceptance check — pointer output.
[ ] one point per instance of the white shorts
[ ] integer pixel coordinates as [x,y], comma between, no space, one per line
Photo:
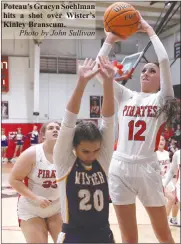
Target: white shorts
[130,179]
[170,187]
[28,209]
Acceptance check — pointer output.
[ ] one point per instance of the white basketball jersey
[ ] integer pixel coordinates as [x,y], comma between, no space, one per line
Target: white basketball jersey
[164,161]
[42,179]
[139,125]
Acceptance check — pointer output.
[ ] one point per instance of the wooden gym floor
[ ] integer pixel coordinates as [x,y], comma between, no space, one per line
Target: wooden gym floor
[11,233]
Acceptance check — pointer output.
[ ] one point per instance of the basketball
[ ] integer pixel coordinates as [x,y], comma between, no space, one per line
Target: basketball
[122,19]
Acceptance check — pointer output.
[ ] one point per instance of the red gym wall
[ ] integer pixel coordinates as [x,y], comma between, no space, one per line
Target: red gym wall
[26,128]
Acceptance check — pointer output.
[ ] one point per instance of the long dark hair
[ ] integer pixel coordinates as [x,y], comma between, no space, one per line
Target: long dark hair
[86,131]
[171,109]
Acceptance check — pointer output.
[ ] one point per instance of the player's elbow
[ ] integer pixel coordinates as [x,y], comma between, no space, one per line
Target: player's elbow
[12,181]
[164,59]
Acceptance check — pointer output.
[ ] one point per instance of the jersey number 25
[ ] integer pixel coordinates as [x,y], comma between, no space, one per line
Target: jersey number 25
[138,136]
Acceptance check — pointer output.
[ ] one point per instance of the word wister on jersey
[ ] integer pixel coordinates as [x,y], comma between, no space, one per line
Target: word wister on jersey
[140,111]
[84,179]
[44,173]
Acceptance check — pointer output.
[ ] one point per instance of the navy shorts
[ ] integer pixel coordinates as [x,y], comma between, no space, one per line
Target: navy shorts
[82,235]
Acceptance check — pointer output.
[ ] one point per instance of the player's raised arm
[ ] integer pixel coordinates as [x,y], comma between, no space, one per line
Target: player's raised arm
[166,88]
[64,145]
[119,90]
[107,73]
[107,126]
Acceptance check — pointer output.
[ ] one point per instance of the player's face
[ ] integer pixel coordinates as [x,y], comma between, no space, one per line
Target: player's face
[52,131]
[150,78]
[87,151]
[162,143]
[35,127]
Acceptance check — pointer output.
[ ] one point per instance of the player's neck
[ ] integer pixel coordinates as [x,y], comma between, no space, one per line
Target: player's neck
[148,91]
[85,164]
[48,147]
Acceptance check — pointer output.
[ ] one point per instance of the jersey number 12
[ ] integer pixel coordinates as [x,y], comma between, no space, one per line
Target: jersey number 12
[138,136]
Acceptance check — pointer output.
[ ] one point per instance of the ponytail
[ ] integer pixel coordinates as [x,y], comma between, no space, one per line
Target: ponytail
[171,109]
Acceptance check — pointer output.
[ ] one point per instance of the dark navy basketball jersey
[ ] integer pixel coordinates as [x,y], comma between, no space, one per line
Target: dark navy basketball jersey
[87,196]
[83,191]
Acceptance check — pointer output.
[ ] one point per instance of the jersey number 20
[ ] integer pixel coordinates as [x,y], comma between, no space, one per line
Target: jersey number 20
[98,200]
[138,136]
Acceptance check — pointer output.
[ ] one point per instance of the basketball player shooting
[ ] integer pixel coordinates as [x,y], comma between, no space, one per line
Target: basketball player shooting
[82,175]
[134,170]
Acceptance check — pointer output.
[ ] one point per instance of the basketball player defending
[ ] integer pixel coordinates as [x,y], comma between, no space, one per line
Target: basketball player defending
[82,155]
[134,170]
[39,201]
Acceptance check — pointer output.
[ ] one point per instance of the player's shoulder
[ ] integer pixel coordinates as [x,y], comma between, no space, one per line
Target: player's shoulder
[37,146]
[30,152]
[28,156]
[134,93]
[166,153]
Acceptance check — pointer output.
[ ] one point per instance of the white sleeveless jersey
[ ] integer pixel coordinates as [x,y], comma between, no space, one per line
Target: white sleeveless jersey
[164,161]
[139,125]
[42,179]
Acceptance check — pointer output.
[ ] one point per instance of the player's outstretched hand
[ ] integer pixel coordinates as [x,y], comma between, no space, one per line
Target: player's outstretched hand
[143,25]
[107,69]
[42,202]
[85,71]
